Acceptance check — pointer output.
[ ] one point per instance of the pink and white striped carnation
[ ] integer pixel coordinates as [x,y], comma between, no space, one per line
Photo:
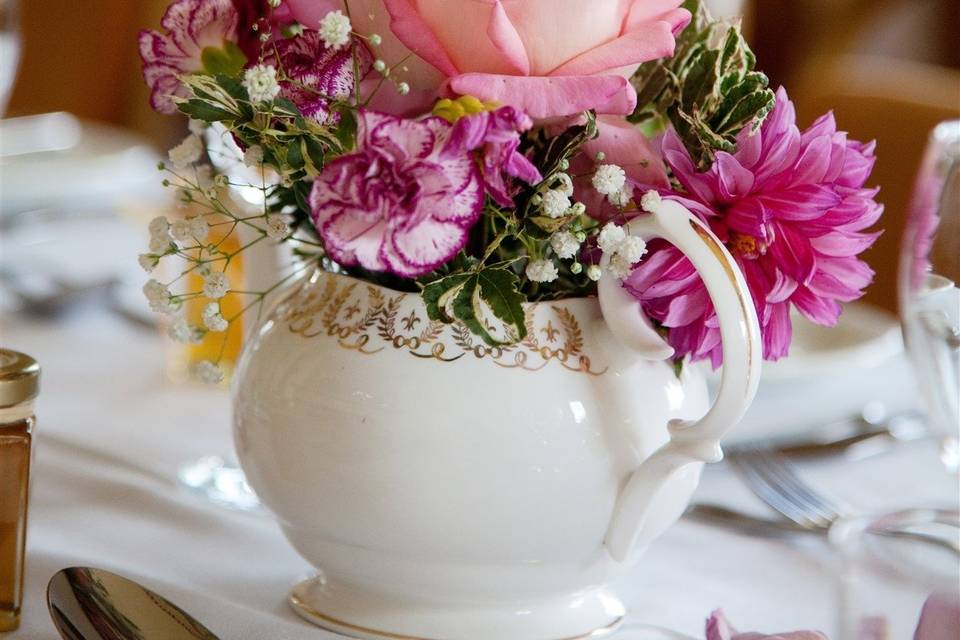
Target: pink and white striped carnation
[191,26]
[404,202]
[318,75]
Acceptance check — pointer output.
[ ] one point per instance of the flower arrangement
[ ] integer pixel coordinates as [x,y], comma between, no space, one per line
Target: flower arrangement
[487,154]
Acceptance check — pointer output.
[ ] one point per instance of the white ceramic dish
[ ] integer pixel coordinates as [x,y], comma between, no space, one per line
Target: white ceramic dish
[831,374]
[96,166]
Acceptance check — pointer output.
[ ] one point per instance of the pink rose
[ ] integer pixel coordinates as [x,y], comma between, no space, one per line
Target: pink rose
[548,58]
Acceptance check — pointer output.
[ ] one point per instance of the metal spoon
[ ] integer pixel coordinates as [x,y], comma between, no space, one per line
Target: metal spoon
[92,604]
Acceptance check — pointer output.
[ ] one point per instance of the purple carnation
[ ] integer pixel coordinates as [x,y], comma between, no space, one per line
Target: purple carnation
[792,210]
[497,135]
[404,202]
[191,26]
[317,75]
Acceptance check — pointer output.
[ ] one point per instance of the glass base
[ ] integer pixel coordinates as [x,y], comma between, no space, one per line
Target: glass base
[9,620]
[219,482]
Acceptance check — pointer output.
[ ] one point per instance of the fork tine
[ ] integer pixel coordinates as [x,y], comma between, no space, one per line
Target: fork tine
[783,475]
[745,464]
[772,479]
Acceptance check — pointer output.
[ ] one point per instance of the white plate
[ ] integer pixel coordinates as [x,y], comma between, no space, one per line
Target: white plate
[54,161]
[831,374]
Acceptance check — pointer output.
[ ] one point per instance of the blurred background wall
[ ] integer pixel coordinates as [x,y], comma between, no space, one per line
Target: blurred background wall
[890,69]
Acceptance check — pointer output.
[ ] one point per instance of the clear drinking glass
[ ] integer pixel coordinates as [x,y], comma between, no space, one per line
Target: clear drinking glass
[218,478]
[928,277]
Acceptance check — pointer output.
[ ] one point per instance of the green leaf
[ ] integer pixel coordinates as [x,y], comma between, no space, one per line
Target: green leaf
[480,300]
[550,225]
[498,288]
[707,90]
[438,294]
[295,154]
[200,110]
[227,61]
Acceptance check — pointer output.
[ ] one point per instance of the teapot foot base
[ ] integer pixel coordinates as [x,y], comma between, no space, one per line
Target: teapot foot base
[371,616]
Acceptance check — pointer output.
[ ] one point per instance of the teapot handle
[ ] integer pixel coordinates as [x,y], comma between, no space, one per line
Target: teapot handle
[689,442]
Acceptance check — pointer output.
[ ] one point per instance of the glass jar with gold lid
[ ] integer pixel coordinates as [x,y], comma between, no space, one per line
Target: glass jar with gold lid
[19,385]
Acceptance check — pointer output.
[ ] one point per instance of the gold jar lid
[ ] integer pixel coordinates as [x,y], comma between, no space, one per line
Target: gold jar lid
[19,378]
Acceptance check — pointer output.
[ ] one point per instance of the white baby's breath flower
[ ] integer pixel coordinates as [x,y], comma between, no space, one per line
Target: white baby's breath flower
[277,226]
[208,372]
[183,332]
[335,30]
[610,237]
[403,88]
[213,319]
[554,203]
[159,229]
[608,179]
[199,228]
[542,271]
[215,285]
[619,267]
[379,66]
[375,39]
[650,200]
[159,297]
[274,3]
[180,230]
[594,272]
[565,244]
[253,156]
[578,209]
[261,84]
[148,261]
[187,152]
[197,127]
[620,198]
[632,249]
[566,184]
[205,175]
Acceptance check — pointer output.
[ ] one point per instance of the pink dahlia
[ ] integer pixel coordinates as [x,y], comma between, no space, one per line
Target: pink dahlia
[404,202]
[191,26]
[318,75]
[792,209]
[497,135]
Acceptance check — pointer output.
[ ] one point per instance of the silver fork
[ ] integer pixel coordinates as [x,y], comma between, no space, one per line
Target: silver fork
[775,481]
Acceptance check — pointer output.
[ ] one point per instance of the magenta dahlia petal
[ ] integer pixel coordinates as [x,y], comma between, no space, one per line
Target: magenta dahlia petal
[190,27]
[395,204]
[815,308]
[843,244]
[792,210]
[793,252]
[800,203]
[734,181]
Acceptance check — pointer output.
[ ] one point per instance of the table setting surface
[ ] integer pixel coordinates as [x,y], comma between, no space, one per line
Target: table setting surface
[113,433]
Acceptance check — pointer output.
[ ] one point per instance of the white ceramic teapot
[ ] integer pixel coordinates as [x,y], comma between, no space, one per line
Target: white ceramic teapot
[449,490]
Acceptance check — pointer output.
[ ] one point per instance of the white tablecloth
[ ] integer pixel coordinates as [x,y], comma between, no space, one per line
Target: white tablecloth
[112,434]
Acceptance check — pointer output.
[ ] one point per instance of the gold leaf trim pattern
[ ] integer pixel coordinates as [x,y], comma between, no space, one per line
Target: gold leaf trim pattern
[367,320]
